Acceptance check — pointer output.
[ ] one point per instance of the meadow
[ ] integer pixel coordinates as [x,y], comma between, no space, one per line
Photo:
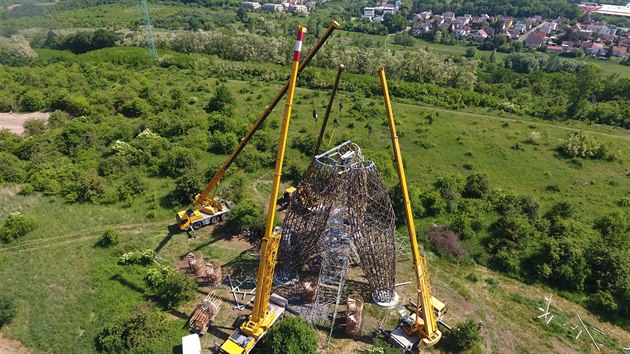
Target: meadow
[68,289]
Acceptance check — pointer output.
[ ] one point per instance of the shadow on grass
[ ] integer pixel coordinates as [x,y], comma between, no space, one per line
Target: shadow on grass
[172,231]
[127,283]
[359,287]
[244,263]
[178,314]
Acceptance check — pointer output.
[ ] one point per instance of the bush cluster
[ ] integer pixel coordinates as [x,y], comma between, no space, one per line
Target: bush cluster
[16,226]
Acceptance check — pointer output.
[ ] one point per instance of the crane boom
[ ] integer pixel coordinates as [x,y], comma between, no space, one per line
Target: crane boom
[340,69]
[427,326]
[262,317]
[221,171]
[216,209]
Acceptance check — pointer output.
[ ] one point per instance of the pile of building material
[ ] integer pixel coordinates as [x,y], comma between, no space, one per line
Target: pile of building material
[354,316]
[205,272]
[204,314]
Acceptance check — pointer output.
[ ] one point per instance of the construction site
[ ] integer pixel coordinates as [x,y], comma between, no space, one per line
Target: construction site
[338,227]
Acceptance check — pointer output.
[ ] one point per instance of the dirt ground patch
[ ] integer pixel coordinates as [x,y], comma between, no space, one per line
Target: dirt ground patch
[15,121]
[10,346]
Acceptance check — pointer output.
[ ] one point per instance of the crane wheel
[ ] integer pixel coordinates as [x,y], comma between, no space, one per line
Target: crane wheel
[214,220]
[196,225]
[221,217]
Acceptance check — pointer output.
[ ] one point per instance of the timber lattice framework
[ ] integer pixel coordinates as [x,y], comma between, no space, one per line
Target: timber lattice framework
[341,192]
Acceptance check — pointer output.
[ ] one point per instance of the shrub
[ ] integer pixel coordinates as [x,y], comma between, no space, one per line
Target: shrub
[34,127]
[223,101]
[109,238]
[134,333]
[245,215]
[433,203]
[140,257]
[465,334]
[446,242]
[27,189]
[583,146]
[16,226]
[8,310]
[603,302]
[476,186]
[32,101]
[11,168]
[187,186]
[291,336]
[417,208]
[90,188]
[170,287]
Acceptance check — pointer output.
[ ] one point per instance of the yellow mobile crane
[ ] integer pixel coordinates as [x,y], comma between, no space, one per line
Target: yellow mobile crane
[421,325]
[266,313]
[208,210]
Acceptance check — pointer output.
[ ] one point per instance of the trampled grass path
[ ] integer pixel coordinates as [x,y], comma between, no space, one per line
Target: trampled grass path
[78,236]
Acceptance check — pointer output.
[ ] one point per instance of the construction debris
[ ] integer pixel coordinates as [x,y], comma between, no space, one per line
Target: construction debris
[546,316]
[354,316]
[249,285]
[589,333]
[204,314]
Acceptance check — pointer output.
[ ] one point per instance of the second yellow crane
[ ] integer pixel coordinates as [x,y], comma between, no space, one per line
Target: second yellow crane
[420,326]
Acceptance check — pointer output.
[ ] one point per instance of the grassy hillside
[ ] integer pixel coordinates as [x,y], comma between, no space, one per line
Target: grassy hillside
[67,289]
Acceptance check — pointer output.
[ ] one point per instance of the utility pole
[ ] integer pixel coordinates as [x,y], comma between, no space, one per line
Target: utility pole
[147,23]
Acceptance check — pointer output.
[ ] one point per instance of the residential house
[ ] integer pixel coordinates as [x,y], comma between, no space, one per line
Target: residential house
[445,26]
[310,5]
[298,9]
[272,7]
[476,22]
[548,27]
[513,34]
[479,36]
[624,41]
[389,9]
[619,51]
[529,23]
[461,32]
[602,29]
[448,15]
[535,39]
[567,44]
[608,39]
[489,30]
[368,12]
[425,15]
[463,20]
[520,27]
[555,49]
[250,5]
[437,20]
[592,48]
[419,29]
[507,22]
[586,35]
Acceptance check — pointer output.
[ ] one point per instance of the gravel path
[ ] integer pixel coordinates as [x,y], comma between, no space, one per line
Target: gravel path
[14,121]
